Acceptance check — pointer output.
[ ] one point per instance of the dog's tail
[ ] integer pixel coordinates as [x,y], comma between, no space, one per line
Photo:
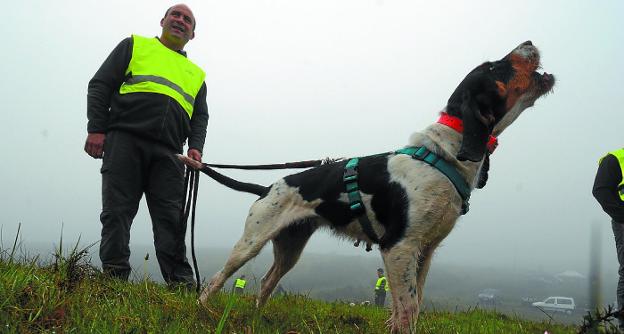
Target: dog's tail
[229,182]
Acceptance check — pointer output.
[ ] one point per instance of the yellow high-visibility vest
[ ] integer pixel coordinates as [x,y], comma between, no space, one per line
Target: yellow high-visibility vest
[154,68]
[240,283]
[619,154]
[382,281]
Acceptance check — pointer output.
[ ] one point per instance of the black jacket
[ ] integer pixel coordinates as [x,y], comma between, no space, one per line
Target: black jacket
[152,116]
[605,190]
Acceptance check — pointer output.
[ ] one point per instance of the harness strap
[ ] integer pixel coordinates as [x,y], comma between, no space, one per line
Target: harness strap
[350,178]
[423,154]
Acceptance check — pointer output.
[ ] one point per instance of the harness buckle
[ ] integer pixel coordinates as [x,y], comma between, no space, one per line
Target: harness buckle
[350,174]
[357,207]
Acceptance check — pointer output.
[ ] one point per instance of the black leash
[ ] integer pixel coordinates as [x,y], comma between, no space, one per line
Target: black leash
[191,186]
[287,165]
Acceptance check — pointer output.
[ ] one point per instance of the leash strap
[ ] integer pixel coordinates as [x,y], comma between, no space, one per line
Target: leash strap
[191,186]
[350,179]
[423,154]
[286,165]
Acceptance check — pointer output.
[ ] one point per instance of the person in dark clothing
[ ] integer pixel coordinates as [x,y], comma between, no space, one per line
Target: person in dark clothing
[609,192]
[143,103]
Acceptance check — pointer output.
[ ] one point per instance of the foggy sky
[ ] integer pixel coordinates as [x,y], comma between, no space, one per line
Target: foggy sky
[298,80]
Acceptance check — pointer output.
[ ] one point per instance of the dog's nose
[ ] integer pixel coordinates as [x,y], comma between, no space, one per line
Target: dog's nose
[527,43]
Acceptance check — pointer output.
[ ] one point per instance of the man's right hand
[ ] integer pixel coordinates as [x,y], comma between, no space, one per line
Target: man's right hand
[94,145]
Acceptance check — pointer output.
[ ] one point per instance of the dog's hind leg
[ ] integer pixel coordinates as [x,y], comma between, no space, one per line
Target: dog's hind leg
[259,228]
[241,253]
[401,262]
[287,248]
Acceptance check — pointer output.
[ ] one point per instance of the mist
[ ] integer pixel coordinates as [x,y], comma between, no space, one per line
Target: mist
[301,80]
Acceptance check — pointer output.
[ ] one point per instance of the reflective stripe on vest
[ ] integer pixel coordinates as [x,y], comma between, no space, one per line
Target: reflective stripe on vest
[154,68]
[382,281]
[240,283]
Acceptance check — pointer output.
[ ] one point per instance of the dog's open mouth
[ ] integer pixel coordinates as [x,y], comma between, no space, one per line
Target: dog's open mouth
[531,61]
[545,82]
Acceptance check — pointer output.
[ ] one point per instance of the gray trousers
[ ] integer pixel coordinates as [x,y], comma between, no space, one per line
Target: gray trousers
[618,233]
[380,298]
[132,167]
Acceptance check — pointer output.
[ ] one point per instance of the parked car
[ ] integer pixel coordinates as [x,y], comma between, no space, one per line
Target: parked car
[557,304]
[528,301]
[488,296]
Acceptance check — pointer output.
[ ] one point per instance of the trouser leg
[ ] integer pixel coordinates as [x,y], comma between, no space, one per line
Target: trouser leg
[121,193]
[380,298]
[618,233]
[165,196]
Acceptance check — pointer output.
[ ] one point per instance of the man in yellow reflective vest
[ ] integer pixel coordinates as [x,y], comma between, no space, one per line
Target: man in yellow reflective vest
[609,192]
[239,284]
[381,288]
[145,101]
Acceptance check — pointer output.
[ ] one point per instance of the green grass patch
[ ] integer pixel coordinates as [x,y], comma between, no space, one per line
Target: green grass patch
[70,296]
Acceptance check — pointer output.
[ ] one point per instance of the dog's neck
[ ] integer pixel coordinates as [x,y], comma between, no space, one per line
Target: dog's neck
[446,142]
[457,124]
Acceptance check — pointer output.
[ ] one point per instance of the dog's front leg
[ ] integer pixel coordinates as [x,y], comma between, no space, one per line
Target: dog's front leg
[401,262]
[424,263]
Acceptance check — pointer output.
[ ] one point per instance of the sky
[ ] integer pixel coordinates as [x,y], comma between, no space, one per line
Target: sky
[292,80]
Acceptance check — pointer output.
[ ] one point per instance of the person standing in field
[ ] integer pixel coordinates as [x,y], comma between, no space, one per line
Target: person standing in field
[145,101]
[609,192]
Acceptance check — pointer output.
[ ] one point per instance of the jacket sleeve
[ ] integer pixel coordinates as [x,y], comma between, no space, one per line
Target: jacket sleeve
[103,85]
[605,190]
[199,121]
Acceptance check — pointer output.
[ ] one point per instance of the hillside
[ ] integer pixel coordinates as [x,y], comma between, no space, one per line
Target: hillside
[350,278]
[68,295]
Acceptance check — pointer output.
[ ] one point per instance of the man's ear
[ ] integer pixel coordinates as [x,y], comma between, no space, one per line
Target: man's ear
[161,22]
[192,35]
[478,122]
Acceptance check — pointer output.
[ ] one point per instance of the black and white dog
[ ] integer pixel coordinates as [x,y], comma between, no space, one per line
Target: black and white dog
[410,204]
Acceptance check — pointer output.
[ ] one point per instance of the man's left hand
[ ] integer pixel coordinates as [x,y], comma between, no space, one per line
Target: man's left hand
[194,154]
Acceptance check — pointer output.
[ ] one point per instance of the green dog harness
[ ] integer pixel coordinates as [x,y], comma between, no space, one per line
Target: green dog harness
[350,179]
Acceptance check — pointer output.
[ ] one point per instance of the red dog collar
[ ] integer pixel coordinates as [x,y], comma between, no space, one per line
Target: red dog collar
[457,125]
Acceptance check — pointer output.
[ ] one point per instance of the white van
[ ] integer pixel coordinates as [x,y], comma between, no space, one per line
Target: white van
[557,304]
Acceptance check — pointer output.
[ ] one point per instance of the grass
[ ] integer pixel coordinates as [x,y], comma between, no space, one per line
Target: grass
[70,296]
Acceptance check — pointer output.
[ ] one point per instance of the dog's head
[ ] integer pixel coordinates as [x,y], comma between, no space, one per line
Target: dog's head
[494,94]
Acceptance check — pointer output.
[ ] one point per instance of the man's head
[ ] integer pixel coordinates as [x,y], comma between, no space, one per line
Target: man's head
[178,27]
[380,272]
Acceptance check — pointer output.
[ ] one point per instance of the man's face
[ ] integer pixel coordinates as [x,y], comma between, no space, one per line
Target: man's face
[178,24]
[379,274]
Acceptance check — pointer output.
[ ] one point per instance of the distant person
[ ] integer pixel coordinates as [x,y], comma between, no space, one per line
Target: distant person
[143,103]
[609,192]
[279,290]
[239,284]
[381,288]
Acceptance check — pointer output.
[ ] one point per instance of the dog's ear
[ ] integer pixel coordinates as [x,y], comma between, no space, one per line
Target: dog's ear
[478,119]
[483,172]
